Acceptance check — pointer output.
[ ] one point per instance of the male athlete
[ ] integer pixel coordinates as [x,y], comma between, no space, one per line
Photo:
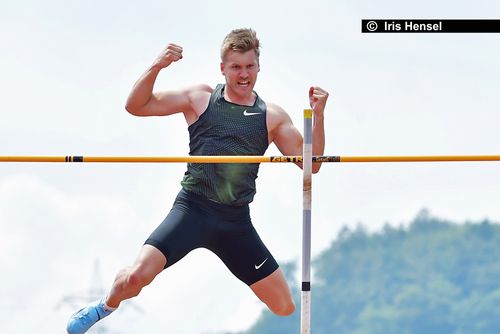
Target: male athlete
[212,208]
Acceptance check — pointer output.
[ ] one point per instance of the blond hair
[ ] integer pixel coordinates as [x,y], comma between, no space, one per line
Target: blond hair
[240,40]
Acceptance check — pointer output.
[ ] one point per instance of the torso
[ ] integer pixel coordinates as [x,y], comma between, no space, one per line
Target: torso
[226,128]
[201,99]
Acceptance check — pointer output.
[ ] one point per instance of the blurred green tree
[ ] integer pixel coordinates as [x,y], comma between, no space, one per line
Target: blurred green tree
[432,276]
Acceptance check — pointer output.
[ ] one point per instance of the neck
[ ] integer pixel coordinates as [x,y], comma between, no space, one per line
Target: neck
[246,100]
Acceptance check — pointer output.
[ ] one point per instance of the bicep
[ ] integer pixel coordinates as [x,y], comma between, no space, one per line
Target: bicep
[167,103]
[186,101]
[288,139]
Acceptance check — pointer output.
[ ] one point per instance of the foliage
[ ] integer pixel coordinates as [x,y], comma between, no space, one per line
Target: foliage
[433,276]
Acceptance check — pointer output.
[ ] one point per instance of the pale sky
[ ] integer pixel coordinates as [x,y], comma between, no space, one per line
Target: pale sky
[66,69]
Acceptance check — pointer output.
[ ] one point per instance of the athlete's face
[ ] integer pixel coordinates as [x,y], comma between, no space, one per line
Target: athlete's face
[240,70]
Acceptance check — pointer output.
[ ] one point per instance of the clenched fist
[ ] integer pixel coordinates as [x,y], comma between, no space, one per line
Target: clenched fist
[317,100]
[170,54]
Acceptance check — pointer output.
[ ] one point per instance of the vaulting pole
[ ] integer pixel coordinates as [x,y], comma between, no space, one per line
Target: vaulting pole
[248,159]
[305,313]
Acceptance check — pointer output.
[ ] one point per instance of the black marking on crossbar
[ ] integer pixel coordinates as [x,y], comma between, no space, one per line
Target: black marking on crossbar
[286,159]
[70,158]
[326,159]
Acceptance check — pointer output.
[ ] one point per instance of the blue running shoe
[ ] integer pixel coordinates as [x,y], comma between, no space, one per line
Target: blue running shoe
[81,321]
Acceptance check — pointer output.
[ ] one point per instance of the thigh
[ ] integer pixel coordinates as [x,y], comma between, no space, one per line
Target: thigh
[180,232]
[273,290]
[245,254]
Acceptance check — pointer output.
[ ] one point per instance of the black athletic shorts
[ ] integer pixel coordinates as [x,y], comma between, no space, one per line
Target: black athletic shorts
[226,230]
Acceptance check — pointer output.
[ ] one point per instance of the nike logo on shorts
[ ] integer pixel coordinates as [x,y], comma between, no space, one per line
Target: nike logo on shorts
[257,267]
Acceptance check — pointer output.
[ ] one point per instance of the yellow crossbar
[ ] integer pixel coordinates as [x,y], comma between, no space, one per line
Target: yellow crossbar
[247,159]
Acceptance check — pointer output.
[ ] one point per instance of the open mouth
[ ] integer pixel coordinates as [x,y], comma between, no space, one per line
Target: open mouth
[244,83]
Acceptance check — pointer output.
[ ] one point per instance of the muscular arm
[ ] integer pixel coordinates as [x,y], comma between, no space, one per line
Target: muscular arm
[286,136]
[142,101]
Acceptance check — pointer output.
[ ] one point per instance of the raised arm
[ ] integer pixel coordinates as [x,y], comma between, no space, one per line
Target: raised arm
[142,101]
[286,136]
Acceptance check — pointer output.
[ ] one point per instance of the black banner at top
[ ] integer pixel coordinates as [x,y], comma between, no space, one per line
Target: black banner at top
[429,26]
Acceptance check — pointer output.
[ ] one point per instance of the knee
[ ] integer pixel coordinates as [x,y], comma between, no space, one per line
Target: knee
[139,277]
[284,308]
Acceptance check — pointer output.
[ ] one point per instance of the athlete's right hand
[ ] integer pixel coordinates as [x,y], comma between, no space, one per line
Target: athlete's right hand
[170,54]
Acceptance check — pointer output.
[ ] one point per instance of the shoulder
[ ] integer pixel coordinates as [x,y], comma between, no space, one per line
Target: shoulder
[185,93]
[281,130]
[191,100]
[278,122]
[276,116]
[198,97]
[276,111]
[197,89]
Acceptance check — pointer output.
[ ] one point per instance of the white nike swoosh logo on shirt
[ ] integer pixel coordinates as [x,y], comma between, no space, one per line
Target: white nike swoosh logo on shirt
[246,113]
[257,267]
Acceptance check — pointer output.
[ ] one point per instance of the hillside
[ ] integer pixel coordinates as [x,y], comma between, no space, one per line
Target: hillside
[433,276]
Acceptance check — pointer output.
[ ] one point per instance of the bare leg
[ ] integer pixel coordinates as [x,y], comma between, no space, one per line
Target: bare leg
[275,293]
[130,280]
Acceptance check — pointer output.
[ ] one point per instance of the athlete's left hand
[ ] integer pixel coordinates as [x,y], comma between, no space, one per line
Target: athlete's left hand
[317,100]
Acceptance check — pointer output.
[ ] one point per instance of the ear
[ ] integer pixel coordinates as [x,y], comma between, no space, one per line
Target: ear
[222,68]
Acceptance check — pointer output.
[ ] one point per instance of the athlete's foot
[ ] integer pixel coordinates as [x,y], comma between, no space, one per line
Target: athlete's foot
[81,321]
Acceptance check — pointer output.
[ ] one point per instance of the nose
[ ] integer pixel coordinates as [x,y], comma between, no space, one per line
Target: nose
[243,74]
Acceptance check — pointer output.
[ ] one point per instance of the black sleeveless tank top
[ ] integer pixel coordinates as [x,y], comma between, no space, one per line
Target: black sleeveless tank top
[226,128]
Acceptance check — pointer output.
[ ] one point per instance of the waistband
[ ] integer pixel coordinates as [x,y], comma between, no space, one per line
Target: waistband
[206,202]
